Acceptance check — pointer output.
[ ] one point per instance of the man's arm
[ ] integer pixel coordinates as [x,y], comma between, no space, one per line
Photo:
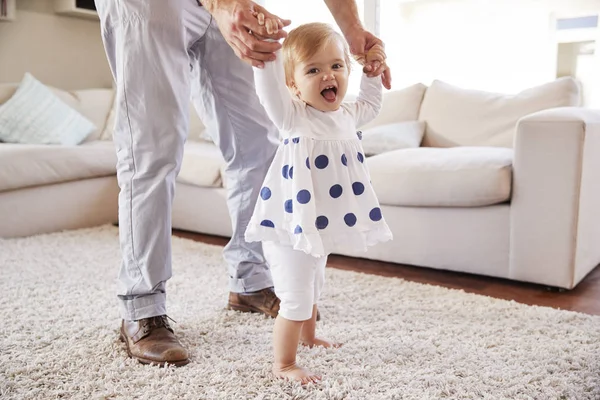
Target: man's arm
[360,40]
[346,16]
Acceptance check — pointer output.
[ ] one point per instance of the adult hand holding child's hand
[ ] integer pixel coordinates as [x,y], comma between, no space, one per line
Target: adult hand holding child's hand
[271,23]
[361,43]
[238,22]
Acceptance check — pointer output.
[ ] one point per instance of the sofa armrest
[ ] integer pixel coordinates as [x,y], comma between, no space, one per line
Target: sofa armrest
[555,204]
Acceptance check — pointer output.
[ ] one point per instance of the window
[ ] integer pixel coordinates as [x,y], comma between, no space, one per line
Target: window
[492,45]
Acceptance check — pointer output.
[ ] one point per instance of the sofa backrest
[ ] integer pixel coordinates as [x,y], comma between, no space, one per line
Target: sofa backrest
[460,117]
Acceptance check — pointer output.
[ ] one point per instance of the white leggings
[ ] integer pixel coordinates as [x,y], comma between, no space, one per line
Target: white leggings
[298,278]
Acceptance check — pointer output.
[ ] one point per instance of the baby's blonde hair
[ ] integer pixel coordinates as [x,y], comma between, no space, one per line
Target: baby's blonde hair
[304,42]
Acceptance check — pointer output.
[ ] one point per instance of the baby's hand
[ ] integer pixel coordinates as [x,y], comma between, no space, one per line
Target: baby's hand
[376,53]
[374,57]
[273,25]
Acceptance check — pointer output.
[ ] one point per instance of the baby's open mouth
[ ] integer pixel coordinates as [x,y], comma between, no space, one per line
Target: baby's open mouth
[329,93]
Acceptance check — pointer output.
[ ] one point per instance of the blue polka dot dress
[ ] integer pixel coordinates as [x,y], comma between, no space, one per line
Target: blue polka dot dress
[317,196]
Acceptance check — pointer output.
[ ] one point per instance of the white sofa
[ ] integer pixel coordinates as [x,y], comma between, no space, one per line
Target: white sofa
[504,186]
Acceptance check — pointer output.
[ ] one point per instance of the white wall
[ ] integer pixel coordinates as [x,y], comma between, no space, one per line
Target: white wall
[495,45]
[60,51]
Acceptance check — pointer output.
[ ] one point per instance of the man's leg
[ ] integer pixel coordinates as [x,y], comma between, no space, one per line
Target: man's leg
[146,44]
[224,96]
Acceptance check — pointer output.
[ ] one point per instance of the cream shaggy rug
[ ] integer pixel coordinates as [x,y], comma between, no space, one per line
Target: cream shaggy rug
[402,340]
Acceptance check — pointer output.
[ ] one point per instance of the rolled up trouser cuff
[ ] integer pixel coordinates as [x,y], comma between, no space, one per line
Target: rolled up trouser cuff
[251,284]
[143,306]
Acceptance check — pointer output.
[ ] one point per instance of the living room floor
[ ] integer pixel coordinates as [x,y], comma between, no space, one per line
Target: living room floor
[584,298]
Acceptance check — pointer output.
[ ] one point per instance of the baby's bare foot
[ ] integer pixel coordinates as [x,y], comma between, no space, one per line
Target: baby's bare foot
[296,373]
[320,342]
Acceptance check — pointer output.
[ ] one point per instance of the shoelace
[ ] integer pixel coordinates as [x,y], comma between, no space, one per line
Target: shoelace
[157,322]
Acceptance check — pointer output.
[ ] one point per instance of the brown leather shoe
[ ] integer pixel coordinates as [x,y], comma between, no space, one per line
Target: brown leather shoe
[262,301]
[152,341]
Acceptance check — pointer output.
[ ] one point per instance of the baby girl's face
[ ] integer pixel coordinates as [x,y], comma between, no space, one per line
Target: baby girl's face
[322,81]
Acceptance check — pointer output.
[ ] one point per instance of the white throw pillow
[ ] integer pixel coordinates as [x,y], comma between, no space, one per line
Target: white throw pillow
[35,115]
[384,138]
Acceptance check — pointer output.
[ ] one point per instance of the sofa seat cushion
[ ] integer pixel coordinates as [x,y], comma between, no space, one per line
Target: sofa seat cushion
[24,165]
[435,177]
[202,165]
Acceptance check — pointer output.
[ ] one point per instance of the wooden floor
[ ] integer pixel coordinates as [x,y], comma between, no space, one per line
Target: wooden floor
[584,298]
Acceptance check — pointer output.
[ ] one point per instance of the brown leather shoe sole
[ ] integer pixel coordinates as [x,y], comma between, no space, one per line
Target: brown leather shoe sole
[250,309]
[245,308]
[148,361]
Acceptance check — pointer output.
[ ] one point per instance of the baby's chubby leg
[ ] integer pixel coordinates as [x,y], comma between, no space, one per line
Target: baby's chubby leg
[286,335]
[307,335]
[298,279]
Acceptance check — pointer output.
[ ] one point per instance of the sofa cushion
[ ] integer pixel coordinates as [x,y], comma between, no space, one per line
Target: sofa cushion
[401,135]
[35,115]
[399,105]
[24,165]
[459,117]
[202,165]
[433,177]
[94,104]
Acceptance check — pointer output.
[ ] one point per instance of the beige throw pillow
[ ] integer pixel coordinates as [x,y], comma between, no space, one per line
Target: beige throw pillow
[399,105]
[384,138]
[460,117]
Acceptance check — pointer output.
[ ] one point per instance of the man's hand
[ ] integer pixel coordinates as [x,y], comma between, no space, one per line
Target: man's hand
[360,42]
[239,25]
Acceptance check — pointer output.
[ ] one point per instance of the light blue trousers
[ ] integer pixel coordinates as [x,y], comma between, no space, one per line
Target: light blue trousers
[162,53]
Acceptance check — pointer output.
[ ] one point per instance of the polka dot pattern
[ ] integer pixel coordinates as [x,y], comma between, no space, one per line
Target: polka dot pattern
[265,193]
[350,219]
[322,222]
[334,201]
[358,188]
[335,191]
[288,206]
[322,161]
[303,196]
[375,214]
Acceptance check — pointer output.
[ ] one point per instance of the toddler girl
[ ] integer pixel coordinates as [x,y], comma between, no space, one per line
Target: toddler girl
[317,196]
